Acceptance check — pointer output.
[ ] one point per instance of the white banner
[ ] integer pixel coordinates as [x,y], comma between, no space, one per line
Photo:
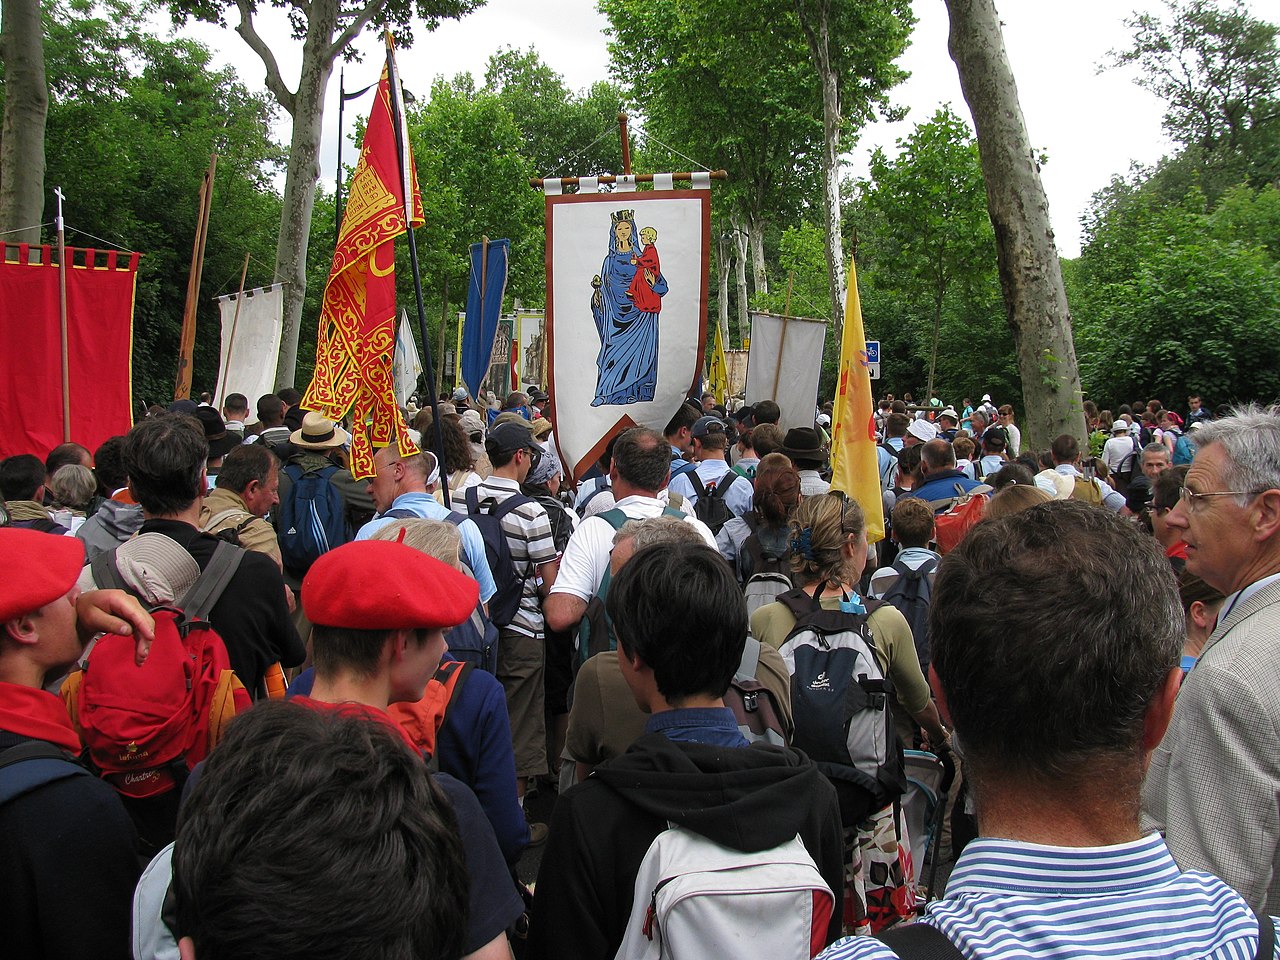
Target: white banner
[250,343]
[626,312]
[784,365]
[406,365]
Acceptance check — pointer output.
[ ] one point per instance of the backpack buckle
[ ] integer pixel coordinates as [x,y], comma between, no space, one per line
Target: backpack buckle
[751,702]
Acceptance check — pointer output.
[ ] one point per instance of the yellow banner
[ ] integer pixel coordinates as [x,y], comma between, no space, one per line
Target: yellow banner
[718,375]
[356,342]
[854,464]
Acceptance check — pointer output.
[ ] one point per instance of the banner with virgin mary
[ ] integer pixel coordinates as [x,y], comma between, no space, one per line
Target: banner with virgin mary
[626,311]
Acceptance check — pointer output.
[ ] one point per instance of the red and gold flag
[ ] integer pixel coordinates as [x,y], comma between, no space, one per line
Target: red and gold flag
[357,338]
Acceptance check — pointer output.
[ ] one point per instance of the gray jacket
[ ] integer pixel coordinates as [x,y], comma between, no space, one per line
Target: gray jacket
[1213,786]
[112,524]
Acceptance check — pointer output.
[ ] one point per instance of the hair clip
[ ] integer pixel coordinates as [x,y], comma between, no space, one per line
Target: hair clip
[803,544]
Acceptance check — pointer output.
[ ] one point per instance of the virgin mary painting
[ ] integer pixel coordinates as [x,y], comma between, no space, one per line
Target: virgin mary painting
[626,304]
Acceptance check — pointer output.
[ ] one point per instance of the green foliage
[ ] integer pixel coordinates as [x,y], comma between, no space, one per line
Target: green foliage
[926,257]
[132,123]
[1218,70]
[1179,300]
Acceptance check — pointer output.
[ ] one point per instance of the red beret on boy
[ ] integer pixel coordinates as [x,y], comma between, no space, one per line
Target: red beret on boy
[44,567]
[381,585]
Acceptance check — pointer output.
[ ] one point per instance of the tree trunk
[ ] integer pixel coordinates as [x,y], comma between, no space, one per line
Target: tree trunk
[301,176]
[26,106]
[1030,273]
[740,266]
[724,260]
[760,274]
[814,20]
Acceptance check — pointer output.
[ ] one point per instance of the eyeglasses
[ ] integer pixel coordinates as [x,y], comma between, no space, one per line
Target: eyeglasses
[1195,501]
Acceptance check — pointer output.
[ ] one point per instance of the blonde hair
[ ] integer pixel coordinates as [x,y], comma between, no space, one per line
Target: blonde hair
[820,527]
[435,538]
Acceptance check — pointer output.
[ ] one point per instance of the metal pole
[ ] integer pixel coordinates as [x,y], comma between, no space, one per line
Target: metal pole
[62,310]
[397,121]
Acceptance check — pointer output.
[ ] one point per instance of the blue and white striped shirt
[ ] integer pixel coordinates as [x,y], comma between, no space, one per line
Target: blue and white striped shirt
[1010,900]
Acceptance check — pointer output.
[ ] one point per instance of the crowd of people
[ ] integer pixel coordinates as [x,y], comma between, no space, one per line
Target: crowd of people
[251,706]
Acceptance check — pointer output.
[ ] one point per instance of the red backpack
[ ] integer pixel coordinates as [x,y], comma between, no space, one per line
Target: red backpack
[144,728]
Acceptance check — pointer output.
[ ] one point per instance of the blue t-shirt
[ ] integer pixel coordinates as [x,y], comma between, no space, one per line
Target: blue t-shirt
[714,726]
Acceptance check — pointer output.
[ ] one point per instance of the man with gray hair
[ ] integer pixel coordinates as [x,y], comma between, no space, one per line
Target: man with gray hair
[1055,637]
[1213,783]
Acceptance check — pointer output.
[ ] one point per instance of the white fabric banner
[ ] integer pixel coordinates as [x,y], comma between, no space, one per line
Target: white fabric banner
[626,312]
[250,343]
[793,382]
[406,365]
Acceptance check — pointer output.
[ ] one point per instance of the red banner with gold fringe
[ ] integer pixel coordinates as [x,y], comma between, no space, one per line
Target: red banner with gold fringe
[356,342]
[100,298]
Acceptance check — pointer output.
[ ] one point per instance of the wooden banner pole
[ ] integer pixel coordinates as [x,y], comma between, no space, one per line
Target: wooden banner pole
[187,342]
[538,182]
[626,144]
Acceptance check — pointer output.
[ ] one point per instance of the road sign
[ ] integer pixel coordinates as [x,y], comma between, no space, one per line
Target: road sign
[873,369]
[873,353]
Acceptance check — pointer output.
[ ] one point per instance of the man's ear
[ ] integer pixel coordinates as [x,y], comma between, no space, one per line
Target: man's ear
[940,695]
[1266,511]
[21,630]
[1159,713]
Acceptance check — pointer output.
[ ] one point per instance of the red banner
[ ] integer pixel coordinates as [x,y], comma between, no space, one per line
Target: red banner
[357,336]
[100,296]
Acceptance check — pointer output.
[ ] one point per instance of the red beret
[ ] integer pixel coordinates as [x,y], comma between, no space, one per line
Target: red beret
[43,567]
[381,585]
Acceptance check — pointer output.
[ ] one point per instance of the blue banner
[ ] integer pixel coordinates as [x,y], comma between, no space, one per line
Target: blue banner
[488,271]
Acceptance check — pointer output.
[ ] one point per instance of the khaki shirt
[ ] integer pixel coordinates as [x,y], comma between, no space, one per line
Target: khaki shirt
[225,510]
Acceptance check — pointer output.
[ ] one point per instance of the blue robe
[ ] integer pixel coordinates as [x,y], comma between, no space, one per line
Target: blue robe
[628,360]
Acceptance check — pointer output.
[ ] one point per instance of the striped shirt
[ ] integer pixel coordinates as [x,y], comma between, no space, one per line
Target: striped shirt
[529,538]
[1012,900]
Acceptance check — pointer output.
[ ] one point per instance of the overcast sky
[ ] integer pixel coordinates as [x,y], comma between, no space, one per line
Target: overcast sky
[1092,126]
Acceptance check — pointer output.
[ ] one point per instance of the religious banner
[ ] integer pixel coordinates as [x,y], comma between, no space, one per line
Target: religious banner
[784,365]
[529,324]
[718,374]
[485,291]
[626,311]
[406,367]
[736,362]
[854,464]
[251,324]
[100,300]
[357,335]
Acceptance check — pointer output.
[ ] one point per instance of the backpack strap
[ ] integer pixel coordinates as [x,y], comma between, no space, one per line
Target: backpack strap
[211,583]
[616,518]
[698,489]
[750,660]
[500,510]
[106,573]
[404,513]
[1266,937]
[31,765]
[472,497]
[920,941]
[725,483]
[217,518]
[456,518]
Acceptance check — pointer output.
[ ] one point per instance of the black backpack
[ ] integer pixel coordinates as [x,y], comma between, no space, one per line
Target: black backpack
[487,515]
[711,508]
[766,575]
[842,704]
[911,594]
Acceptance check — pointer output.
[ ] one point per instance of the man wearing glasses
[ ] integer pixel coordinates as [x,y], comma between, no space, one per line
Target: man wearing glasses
[521,657]
[1213,783]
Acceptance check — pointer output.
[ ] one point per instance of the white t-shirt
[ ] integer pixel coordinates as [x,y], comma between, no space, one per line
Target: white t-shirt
[586,556]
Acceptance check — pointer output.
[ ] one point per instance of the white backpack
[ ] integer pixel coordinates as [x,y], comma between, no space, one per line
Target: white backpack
[695,899]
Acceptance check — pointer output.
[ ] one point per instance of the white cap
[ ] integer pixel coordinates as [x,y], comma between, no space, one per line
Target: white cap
[923,430]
